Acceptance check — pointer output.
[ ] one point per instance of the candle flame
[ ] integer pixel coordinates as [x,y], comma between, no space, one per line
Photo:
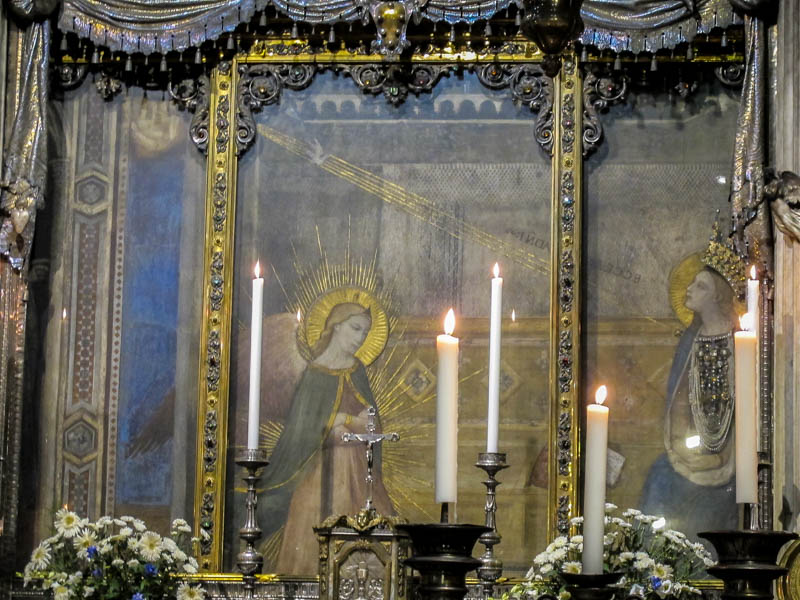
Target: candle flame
[257,270]
[496,270]
[753,272]
[66,506]
[601,394]
[746,322]
[513,315]
[450,322]
[299,316]
[64,314]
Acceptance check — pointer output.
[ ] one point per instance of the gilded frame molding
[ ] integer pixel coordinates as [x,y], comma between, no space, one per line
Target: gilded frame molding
[228,138]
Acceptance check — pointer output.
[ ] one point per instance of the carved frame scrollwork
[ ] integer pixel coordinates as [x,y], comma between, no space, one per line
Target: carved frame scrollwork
[601,89]
[395,81]
[261,85]
[529,86]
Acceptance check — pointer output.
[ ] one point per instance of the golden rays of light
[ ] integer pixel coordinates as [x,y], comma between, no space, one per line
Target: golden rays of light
[269,433]
[409,202]
[271,547]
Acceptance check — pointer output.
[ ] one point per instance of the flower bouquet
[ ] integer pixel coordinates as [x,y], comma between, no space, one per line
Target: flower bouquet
[655,562]
[113,559]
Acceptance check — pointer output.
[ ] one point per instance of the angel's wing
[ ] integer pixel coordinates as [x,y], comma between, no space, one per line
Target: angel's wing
[282,365]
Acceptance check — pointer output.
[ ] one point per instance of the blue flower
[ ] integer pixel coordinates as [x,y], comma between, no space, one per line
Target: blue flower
[149,569]
[97,573]
[138,596]
[91,551]
[656,581]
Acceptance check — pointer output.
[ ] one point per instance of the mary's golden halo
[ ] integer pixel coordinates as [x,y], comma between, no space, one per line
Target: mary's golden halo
[314,322]
[679,279]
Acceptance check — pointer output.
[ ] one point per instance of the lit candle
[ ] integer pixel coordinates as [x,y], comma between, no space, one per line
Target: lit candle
[493,420]
[745,352]
[594,487]
[255,360]
[752,297]
[447,413]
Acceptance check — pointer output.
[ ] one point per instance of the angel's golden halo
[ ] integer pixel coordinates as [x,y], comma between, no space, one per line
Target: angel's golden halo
[312,326]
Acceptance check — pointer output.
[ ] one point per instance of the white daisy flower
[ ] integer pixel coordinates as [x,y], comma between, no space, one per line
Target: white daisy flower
[189,592]
[576,539]
[139,525]
[631,512]
[133,563]
[531,572]
[104,521]
[560,541]
[576,521]
[572,567]
[126,532]
[193,562]
[546,568]
[662,571]
[40,557]
[150,546]
[169,545]
[88,591]
[60,592]
[187,568]
[118,562]
[610,506]
[83,541]
[626,556]
[558,554]
[180,556]
[67,523]
[127,519]
[647,519]
[542,558]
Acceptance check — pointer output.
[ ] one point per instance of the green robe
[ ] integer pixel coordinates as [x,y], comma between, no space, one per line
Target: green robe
[314,407]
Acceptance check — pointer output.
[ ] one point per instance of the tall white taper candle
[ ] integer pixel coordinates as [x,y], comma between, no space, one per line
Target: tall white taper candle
[745,353]
[594,490]
[752,297]
[495,324]
[254,403]
[447,413]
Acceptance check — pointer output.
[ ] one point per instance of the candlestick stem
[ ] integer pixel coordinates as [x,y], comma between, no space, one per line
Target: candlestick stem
[250,561]
[444,516]
[491,567]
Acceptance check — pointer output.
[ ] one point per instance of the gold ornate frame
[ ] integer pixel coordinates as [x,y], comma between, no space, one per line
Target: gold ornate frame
[224,137]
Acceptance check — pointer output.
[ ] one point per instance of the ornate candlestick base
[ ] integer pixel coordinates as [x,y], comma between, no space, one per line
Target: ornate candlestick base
[249,560]
[747,561]
[443,556]
[491,567]
[591,587]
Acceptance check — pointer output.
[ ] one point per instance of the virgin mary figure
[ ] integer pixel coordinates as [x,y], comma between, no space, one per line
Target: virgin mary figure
[691,484]
[313,474]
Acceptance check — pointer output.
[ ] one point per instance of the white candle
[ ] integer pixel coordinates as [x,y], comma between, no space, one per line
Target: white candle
[447,413]
[752,297]
[745,353]
[594,487]
[255,361]
[495,323]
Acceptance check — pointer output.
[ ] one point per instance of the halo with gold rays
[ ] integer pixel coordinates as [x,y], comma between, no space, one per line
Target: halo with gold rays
[322,286]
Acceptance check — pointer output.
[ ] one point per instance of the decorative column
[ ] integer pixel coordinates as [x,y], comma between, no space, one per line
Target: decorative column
[212,426]
[565,292]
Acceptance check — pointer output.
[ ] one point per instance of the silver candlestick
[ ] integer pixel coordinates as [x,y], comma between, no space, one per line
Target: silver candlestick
[250,561]
[491,567]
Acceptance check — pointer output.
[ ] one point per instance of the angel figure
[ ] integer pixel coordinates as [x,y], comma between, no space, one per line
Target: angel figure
[313,474]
